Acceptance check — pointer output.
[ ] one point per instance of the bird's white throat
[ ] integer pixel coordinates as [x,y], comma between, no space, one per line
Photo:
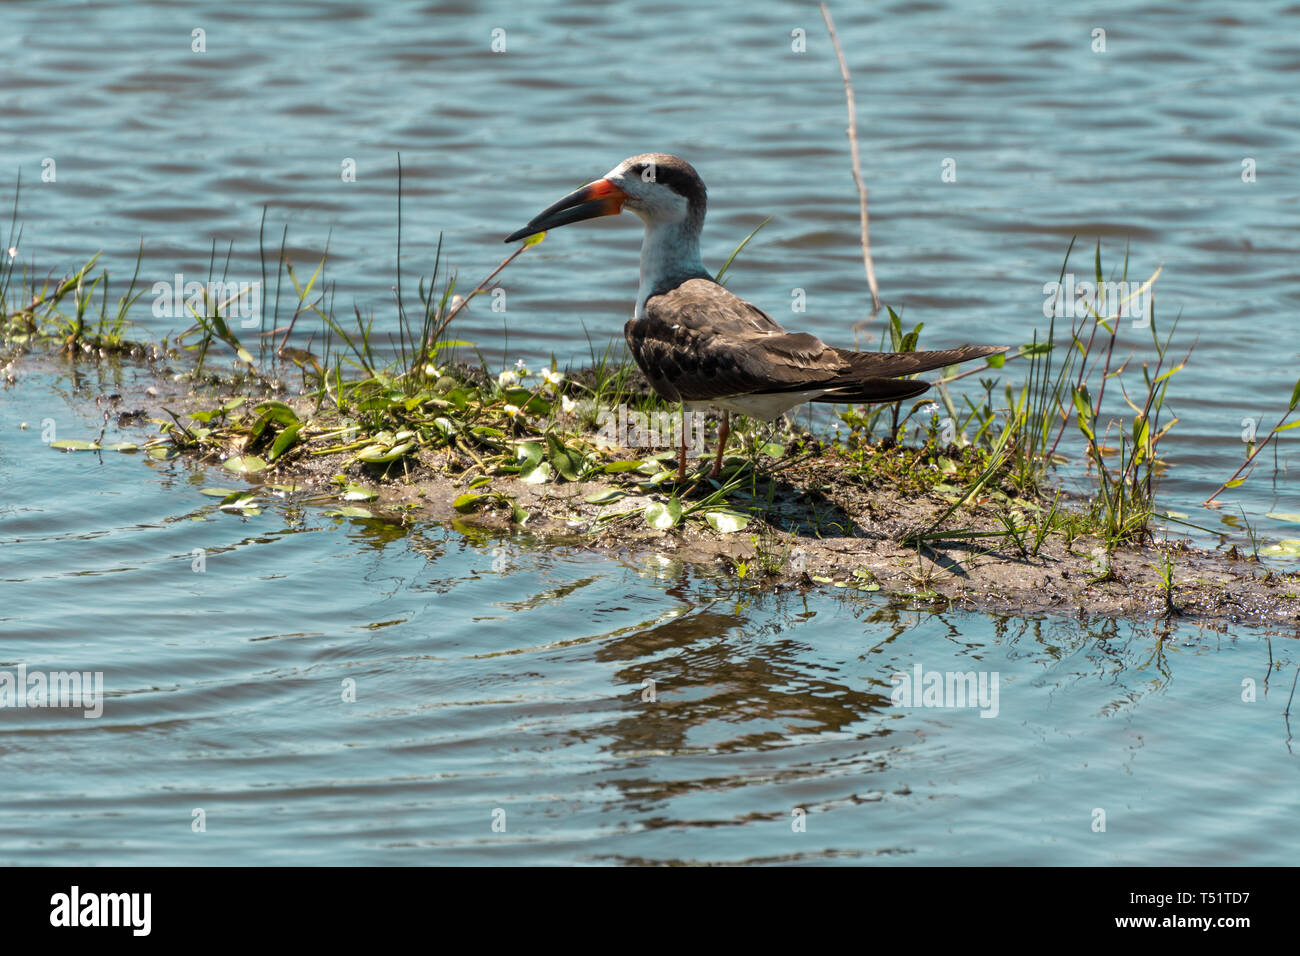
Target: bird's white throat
[670,253]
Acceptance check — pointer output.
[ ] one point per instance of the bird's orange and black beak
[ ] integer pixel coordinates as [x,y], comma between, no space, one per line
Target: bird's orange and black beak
[601,198]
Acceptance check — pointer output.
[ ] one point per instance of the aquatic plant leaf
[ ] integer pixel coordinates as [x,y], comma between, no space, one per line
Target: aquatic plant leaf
[725,522]
[279,412]
[379,455]
[538,474]
[75,445]
[614,467]
[565,460]
[285,440]
[663,515]
[244,464]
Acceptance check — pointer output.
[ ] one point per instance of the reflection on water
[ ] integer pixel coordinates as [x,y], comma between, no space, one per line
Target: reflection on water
[343,691]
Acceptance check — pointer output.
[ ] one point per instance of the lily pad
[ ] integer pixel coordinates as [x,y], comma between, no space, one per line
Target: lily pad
[218,492]
[350,511]
[1287,546]
[244,464]
[75,445]
[1284,516]
[352,491]
[605,497]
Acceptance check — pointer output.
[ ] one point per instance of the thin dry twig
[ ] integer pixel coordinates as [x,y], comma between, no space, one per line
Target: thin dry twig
[857,163]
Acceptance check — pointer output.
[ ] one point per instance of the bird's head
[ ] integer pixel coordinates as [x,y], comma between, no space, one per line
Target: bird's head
[657,187]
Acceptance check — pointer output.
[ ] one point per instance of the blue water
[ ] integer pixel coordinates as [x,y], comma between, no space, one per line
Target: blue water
[501,681]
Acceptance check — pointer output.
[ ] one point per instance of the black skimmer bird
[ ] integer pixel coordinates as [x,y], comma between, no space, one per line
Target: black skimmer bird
[699,344]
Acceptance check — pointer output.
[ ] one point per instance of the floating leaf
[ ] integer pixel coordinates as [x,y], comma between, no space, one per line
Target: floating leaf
[350,511]
[1284,516]
[725,522]
[218,492]
[240,500]
[75,445]
[163,453]
[244,464]
[605,497]
[1289,546]
[126,447]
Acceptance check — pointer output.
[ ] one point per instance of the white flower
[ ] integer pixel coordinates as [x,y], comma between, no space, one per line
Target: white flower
[552,378]
[512,410]
[507,378]
[432,370]
[567,404]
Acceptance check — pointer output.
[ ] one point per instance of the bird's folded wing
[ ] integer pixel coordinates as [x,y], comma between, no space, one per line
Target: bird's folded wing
[698,341]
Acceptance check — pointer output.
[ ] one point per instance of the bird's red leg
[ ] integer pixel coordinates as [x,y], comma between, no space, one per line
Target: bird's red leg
[681,454]
[723,431]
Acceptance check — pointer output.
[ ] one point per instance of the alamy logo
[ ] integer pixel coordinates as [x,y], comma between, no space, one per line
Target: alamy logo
[1081,299]
[628,429]
[230,300]
[924,688]
[103,909]
[82,690]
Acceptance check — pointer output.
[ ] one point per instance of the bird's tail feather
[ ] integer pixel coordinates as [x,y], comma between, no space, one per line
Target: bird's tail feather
[871,391]
[891,364]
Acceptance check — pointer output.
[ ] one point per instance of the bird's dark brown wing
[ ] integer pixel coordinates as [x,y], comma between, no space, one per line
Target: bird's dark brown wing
[697,342]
